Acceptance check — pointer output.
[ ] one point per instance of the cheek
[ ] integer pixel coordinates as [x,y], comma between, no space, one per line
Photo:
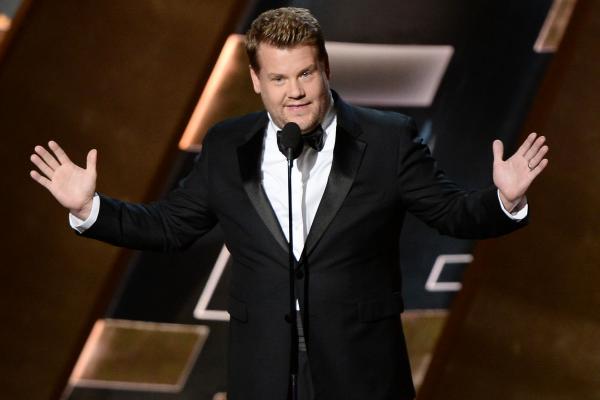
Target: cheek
[318,88]
[271,102]
[274,97]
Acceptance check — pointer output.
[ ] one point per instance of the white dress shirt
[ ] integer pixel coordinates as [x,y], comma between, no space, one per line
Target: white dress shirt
[309,178]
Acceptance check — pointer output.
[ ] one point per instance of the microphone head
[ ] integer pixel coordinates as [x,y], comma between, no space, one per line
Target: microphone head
[290,141]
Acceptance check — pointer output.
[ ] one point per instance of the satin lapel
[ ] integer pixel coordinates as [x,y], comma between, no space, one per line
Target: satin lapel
[347,156]
[249,156]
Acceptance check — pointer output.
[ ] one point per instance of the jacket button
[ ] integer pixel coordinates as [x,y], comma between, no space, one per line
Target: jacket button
[299,274]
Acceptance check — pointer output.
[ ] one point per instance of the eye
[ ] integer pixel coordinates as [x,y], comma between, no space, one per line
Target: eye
[306,74]
[278,80]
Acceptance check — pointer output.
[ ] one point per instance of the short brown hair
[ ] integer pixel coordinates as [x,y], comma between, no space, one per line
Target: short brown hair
[284,28]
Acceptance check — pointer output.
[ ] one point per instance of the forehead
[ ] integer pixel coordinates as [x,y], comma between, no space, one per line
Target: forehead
[273,59]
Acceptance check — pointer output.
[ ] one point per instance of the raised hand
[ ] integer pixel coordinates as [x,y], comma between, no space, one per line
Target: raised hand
[514,176]
[70,184]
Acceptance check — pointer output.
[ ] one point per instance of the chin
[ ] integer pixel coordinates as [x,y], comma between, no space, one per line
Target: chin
[301,124]
[305,124]
[302,120]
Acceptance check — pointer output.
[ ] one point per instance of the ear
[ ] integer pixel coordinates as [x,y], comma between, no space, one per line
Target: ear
[255,80]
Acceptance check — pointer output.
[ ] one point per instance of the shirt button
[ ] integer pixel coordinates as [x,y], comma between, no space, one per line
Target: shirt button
[299,274]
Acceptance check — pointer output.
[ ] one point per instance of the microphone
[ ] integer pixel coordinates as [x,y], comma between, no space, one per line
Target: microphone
[289,140]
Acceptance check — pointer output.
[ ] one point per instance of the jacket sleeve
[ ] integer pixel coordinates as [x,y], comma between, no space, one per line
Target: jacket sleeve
[428,194]
[171,224]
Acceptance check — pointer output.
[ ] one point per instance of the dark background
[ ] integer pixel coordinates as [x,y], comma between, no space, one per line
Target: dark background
[124,78]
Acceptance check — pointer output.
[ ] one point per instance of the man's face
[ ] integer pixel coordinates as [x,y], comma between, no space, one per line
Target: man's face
[293,85]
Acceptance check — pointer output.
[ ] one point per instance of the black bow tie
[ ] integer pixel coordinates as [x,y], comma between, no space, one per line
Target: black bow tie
[313,139]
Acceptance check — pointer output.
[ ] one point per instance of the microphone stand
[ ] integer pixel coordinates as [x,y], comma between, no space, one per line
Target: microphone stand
[292,315]
[290,143]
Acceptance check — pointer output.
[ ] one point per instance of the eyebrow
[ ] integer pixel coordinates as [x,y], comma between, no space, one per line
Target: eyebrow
[309,68]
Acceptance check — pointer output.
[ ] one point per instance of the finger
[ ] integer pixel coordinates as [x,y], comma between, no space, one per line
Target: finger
[47,157]
[59,152]
[42,180]
[42,166]
[92,156]
[498,148]
[540,167]
[537,158]
[526,144]
[535,147]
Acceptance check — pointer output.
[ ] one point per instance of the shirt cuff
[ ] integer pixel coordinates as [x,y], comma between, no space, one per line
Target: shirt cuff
[516,216]
[80,225]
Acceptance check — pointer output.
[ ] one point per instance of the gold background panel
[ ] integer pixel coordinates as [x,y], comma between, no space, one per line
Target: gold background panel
[136,355]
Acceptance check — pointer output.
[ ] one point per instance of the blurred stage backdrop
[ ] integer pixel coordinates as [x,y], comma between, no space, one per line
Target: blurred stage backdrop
[142,81]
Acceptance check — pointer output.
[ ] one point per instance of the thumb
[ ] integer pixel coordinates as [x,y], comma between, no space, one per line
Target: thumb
[498,148]
[92,156]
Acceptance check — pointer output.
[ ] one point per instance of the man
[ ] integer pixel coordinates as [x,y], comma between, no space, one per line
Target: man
[352,192]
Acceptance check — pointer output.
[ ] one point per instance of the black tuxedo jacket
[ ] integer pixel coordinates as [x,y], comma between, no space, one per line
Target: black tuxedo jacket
[348,281]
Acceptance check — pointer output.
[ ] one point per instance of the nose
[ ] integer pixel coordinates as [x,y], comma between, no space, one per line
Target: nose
[296,90]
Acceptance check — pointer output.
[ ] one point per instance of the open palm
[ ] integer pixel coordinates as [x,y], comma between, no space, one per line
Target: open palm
[72,186]
[513,176]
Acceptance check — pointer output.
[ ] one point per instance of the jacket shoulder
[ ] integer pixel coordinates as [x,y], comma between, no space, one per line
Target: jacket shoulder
[235,129]
[385,124]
